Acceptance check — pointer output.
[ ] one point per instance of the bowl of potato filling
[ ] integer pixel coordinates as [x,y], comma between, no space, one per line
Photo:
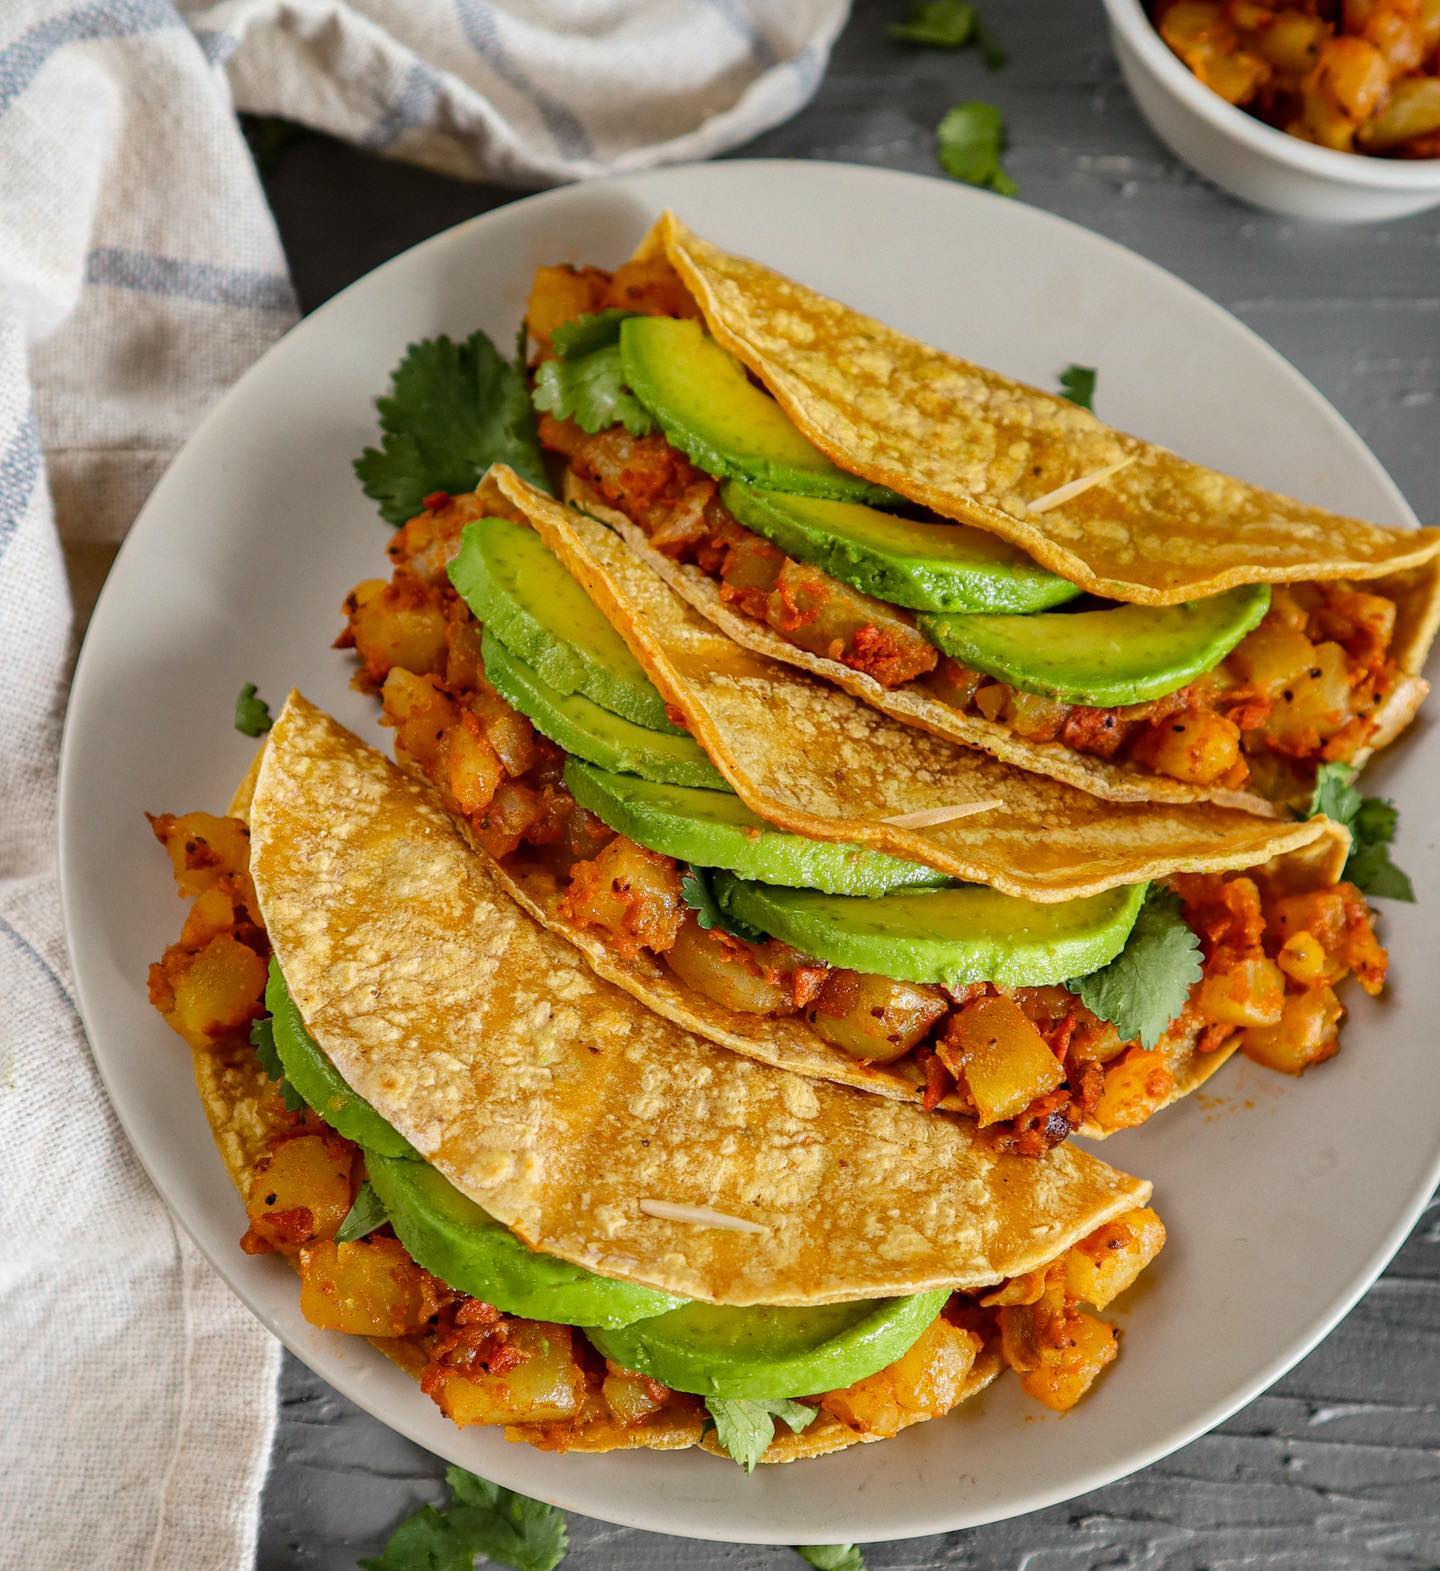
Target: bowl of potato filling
[1322,109]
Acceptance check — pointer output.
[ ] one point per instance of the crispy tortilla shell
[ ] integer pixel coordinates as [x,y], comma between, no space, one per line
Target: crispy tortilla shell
[978,447]
[558,1103]
[810,758]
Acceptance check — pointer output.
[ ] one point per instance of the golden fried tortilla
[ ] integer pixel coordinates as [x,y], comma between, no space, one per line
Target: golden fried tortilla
[559,1104]
[810,758]
[979,447]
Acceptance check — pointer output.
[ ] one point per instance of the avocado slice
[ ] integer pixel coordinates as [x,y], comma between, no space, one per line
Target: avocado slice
[1124,654]
[522,592]
[582,727]
[770,1353]
[948,936]
[923,567]
[447,1233]
[705,404]
[310,1071]
[716,829]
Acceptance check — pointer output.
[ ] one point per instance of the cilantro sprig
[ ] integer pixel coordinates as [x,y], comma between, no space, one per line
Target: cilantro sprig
[744,1426]
[589,331]
[262,1039]
[481,1519]
[832,1557]
[252,713]
[452,411]
[1372,821]
[699,894]
[1146,985]
[949,24]
[969,142]
[1077,383]
[367,1213]
[591,391]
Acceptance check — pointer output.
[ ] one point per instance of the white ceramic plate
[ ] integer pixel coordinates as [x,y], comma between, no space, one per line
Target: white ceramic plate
[1284,1200]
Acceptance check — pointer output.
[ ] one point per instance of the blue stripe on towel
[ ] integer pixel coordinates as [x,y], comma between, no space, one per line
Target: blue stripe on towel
[413,106]
[23,946]
[482,33]
[207,282]
[19,470]
[22,60]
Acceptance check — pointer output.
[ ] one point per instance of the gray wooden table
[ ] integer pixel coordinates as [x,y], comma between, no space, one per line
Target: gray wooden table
[1339,1465]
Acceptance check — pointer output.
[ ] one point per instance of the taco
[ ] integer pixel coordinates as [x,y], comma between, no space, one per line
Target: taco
[560,1212]
[968,554]
[768,862]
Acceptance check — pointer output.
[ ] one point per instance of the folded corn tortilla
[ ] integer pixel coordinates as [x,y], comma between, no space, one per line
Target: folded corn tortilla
[558,1103]
[971,444]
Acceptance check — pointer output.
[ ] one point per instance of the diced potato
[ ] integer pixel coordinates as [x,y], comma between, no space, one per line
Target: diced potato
[301,1192]
[923,1383]
[652,286]
[218,992]
[401,624]
[724,971]
[994,1050]
[1316,702]
[1104,1263]
[1134,1087]
[1303,959]
[1036,717]
[472,768]
[631,1397]
[629,892]
[1057,1349]
[547,1386]
[560,294]
[1274,655]
[368,1288]
[202,848]
[212,914]
[1305,1035]
[873,1018]
[813,611]
[422,716]
[1250,992]
[1197,746]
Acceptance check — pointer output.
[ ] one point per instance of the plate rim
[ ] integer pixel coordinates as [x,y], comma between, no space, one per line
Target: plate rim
[1034,1498]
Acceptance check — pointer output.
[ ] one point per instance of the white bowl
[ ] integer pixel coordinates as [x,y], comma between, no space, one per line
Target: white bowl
[1252,160]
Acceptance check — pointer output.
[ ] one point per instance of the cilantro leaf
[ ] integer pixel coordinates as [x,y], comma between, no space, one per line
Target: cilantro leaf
[481,1519]
[453,410]
[937,24]
[1372,822]
[588,332]
[696,892]
[832,1557]
[949,24]
[591,391]
[969,142]
[1077,383]
[364,1216]
[262,1039]
[1146,985]
[252,713]
[745,1426]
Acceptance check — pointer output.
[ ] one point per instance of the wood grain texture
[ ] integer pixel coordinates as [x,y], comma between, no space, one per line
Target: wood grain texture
[1337,1468]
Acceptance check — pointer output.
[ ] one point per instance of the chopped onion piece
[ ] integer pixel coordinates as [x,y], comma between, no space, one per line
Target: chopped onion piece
[701,1216]
[927,817]
[1073,488]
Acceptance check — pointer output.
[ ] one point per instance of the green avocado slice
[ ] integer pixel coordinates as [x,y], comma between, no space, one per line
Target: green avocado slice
[1125,654]
[447,1233]
[770,1353]
[923,567]
[317,1080]
[946,936]
[705,404]
[599,736]
[716,829]
[522,592]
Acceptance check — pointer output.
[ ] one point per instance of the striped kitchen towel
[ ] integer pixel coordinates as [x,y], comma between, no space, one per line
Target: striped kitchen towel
[140,272]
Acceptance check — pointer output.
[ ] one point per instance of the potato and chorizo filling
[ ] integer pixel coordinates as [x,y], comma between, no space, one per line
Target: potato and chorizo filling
[1304,688]
[545,1383]
[1032,1064]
